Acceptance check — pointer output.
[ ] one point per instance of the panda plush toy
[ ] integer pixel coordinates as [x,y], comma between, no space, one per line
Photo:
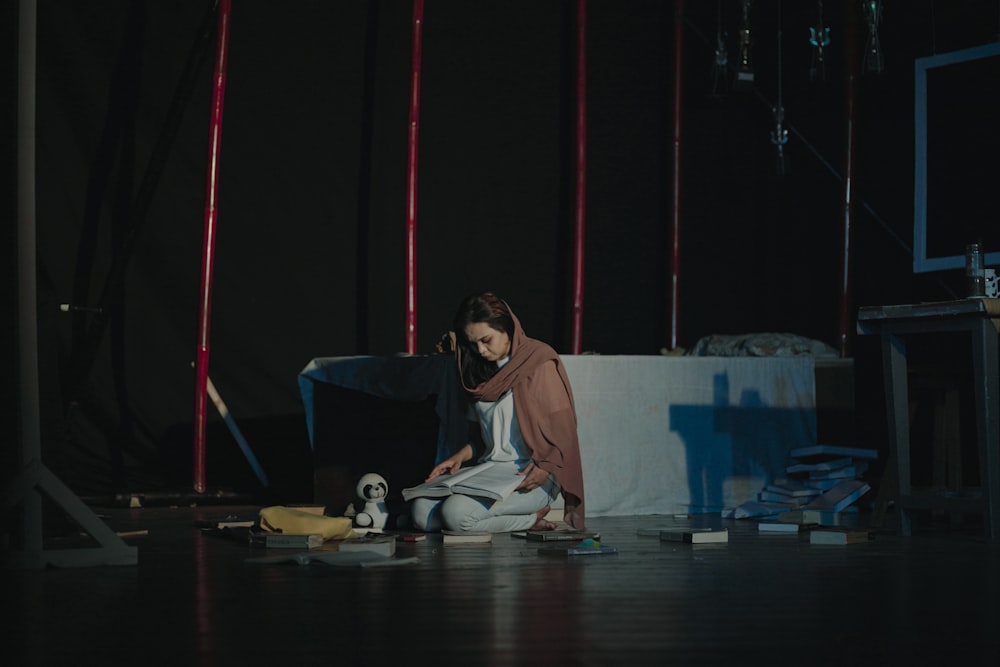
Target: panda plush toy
[372,490]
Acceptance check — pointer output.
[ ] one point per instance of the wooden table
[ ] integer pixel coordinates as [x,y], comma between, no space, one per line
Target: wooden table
[974,317]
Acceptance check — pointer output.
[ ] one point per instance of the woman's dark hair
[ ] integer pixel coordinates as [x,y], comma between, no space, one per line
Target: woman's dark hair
[487,308]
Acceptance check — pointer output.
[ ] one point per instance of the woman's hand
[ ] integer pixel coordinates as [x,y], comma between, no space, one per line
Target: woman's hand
[446,467]
[534,477]
[451,464]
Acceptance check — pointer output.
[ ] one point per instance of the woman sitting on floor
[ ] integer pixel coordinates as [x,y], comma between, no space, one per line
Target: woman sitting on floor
[521,396]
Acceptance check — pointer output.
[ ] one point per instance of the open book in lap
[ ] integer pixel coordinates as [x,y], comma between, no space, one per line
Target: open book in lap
[492,479]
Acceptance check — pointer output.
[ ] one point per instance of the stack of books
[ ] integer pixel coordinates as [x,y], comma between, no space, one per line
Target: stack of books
[821,477]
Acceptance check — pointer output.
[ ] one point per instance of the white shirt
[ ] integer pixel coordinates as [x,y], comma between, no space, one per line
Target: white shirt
[498,425]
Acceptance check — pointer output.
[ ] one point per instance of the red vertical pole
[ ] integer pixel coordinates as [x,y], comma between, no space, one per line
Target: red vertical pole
[208,249]
[675,211]
[846,286]
[581,173]
[411,180]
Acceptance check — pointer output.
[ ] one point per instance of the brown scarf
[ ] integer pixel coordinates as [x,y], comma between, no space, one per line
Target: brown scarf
[546,412]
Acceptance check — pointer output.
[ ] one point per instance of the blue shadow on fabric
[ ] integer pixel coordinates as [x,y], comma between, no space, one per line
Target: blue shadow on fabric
[734,450]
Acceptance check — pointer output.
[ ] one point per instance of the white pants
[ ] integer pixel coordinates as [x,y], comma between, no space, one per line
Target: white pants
[459,512]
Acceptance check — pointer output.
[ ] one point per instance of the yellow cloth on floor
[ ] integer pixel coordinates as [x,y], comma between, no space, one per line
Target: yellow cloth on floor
[281,519]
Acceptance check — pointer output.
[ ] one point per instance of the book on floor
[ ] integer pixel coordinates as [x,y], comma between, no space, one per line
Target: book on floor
[833,450]
[752,508]
[807,517]
[840,496]
[777,527]
[820,466]
[766,496]
[559,535]
[343,559]
[822,485]
[380,544]
[793,488]
[411,537]
[466,537]
[839,536]
[695,535]
[848,472]
[493,479]
[576,549]
[286,540]
[228,522]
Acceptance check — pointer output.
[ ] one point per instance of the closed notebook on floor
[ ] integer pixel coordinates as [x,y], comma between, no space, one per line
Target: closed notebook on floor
[286,540]
[842,536]
[575,549]
[778,527]
[695,535]
[466,537]
[559,536]
[380,544]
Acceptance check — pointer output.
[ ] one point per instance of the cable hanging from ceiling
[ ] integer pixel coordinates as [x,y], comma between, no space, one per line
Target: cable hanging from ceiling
[720,66]
[779,135]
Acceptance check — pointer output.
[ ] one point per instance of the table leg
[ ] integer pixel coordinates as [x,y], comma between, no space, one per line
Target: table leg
[897,401]
[987,387]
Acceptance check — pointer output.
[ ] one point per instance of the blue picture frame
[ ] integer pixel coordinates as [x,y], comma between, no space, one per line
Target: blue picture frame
[926,255]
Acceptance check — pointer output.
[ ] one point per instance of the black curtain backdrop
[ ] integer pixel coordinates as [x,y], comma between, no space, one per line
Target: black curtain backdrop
[311,216]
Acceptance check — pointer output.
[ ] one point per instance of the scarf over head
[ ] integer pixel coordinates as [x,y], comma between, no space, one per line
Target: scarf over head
[546,412]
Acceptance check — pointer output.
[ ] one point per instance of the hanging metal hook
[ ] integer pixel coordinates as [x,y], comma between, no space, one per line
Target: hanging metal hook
[874,60]
[744,72]
[819,37]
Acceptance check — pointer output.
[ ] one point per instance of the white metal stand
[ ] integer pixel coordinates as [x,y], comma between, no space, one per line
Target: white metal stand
[34,479]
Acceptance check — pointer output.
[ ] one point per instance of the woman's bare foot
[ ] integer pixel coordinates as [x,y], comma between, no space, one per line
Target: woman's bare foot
[574,520]
[541,523]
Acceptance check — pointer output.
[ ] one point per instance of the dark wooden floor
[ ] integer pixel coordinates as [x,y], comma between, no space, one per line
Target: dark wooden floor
[192,599]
